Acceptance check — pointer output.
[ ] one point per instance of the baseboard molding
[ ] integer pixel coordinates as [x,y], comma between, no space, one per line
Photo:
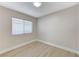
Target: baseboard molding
[58,46]
[14,47]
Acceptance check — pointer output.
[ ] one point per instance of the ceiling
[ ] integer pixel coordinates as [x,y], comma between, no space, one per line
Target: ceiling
[45,9]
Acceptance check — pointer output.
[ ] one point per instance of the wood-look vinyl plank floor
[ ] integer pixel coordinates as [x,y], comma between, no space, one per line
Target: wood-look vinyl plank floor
[38,49]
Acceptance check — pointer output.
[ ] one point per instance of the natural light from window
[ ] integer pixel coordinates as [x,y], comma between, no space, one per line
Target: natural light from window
[20,26]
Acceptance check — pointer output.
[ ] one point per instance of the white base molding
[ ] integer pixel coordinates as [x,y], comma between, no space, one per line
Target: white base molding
[14,47]
[58,46]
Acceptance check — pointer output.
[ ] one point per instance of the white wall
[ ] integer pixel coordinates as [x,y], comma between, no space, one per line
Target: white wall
[60,28]
[8,40]
[78,25]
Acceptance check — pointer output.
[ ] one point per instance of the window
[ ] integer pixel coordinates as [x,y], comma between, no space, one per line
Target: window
[27,27]
[20,26]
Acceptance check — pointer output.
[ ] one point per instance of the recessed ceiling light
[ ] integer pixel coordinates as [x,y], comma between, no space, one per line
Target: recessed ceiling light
[37,4]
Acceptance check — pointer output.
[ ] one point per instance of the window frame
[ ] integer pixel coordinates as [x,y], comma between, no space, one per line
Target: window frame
[23,26]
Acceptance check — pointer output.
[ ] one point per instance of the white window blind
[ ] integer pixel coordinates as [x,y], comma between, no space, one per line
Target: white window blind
[28,27]
[20,26]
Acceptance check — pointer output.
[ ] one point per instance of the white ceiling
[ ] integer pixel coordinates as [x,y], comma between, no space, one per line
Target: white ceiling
[45,9]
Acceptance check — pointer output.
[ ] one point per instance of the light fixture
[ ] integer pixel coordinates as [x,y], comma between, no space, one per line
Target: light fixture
[37,4]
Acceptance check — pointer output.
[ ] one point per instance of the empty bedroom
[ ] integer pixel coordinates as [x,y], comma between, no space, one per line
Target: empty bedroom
[39,29]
